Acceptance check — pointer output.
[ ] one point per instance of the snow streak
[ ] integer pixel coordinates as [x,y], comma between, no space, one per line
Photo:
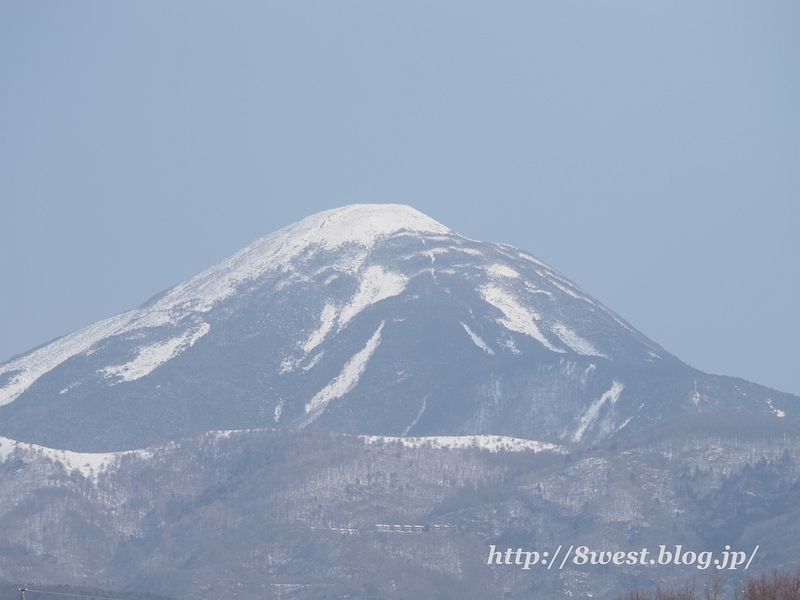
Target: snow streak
[492,443]
[476,338]
[344,382]
[151,357]
[359,226]
[590,416]
[517,317]
[376,285]
[575,342]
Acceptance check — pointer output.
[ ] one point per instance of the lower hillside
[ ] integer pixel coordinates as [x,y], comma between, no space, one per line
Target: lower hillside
[65,592]
[287,514]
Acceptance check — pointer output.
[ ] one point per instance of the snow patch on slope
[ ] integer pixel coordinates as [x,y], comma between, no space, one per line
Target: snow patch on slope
[590,416]
[575,342]
[568,291]
[492,443]
[153,356]
[536,290]
[579,294]
[533,259]
[376,285]
[418,417]
[88,464]
[344,382]
[327,319]
[35,364]
[358,225]
[477,339]
[517,317]
[498,270]
[776,411]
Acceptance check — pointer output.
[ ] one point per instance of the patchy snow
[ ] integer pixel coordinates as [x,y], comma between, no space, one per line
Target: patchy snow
[508,342]
[429,252]
[88,464]
[153,356]
[432,252]
[579,294]
[536,290]
[554,276]
[42,360]
[590,416]
[327,319]
[778,413]
[570,292]
[492,443]
[628,420]
[477,339]
[574,341]
[517,317]
[312,363]
[533,259]
[696,397]
[472,251]
[30,367]
[359,226]
[344,382]
[498,270]
[278,410]
[376,285]
[416,420]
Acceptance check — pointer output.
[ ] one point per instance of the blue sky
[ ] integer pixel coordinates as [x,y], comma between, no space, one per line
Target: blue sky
[649,151]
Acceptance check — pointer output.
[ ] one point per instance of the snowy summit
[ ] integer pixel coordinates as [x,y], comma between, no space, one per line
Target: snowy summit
[370,319]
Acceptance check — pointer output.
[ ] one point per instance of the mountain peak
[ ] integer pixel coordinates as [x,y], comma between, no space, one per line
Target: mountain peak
[371,319]
[362,224]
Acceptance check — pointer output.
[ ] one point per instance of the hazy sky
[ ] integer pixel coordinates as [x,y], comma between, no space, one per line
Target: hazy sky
[648,150]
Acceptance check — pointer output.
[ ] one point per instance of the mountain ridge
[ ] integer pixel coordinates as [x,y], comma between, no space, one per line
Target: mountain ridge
[370,319]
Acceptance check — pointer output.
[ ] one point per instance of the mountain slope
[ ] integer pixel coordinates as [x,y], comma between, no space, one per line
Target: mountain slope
[305,514]
[370,319]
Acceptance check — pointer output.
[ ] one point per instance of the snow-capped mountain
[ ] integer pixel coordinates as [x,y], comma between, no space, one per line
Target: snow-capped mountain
[472,396]
[369,319]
